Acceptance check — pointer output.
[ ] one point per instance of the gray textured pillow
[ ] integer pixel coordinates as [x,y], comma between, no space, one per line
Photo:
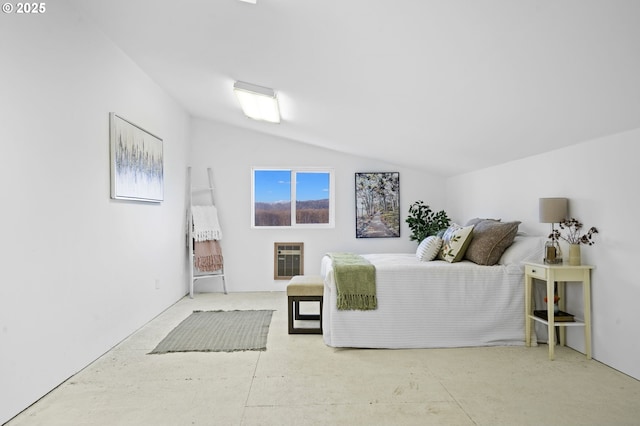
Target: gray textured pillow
[490,240]
[477,220]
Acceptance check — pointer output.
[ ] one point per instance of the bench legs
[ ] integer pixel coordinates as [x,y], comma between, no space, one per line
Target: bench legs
[294,312]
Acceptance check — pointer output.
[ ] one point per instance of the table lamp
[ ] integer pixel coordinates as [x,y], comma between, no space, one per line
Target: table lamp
[553,210]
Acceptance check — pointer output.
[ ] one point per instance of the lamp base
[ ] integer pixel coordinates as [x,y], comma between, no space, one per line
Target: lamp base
[552,253]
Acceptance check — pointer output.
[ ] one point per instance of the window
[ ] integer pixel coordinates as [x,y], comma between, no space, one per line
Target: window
[295,198]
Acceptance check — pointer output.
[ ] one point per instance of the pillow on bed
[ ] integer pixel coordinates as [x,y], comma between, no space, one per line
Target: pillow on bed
[455,242]
[490,240]
[477,220]
[429,248]
[524,248]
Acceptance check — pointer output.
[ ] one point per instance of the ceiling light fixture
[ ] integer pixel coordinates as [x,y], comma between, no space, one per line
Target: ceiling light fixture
[257,102]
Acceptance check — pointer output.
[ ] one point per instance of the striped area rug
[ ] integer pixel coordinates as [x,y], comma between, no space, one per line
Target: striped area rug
[218,331]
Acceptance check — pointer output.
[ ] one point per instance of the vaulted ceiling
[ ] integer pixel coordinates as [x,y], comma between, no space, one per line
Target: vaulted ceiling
[446,86]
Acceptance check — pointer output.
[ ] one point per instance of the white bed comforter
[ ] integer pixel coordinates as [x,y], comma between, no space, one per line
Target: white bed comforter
[430,305]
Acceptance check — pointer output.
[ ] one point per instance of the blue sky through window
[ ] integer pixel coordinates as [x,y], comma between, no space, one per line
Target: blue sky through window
[271,186]
[312,186]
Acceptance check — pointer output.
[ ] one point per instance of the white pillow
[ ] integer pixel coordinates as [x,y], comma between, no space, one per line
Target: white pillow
[429,248]
[524,248]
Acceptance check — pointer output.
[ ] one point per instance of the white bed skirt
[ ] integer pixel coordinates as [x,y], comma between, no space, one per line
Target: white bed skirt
[430,305]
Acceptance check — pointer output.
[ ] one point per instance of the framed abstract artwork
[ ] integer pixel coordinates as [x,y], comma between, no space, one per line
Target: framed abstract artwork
[137,162]
[378,205]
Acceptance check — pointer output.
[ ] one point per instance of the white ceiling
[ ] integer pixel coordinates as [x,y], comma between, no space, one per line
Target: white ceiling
[448,86]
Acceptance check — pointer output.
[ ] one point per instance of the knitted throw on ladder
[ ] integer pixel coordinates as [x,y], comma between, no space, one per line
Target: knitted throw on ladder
[207,256]
[205,223]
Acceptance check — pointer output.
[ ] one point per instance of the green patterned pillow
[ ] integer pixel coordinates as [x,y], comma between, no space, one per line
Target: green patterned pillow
[455,242]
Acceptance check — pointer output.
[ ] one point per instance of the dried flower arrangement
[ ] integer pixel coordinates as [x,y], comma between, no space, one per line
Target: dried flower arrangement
[573,227]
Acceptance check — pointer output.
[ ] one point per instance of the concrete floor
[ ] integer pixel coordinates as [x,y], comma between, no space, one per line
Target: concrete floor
[300,381]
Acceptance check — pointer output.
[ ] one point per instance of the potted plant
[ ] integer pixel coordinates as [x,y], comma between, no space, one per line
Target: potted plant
[424,222]
[574,236]
[556,298]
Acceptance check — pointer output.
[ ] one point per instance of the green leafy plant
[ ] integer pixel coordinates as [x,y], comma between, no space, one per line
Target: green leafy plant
[424,222]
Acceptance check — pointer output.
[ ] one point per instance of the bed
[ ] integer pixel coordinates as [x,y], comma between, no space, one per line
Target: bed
[434,304]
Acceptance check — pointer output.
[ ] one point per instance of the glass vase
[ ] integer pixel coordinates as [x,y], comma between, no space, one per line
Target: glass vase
[552,253]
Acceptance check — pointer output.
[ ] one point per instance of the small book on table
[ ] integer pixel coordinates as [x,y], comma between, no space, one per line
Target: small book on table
[559,316]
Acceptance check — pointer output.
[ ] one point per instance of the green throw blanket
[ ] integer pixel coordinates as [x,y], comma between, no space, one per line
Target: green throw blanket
[355,281]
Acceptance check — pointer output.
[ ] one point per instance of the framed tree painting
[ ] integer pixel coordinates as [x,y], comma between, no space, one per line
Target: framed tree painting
[377,205]
[137,162]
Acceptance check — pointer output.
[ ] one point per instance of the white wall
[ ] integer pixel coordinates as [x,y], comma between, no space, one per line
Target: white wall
[231,152]
[78,269]
[600,179]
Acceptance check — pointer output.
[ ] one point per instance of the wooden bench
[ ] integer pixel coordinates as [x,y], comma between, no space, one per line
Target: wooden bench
[304,288]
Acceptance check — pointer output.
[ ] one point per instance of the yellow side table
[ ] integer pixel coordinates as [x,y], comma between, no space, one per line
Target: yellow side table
[561,274]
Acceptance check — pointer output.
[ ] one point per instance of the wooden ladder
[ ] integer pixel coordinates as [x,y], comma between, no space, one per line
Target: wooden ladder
[193,275]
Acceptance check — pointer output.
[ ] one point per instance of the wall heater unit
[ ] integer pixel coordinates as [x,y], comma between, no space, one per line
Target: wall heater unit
[288,260]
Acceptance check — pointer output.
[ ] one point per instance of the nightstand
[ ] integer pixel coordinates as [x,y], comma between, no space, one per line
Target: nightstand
[561,274]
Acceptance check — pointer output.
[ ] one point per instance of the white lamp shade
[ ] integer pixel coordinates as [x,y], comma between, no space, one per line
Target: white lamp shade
[553,210]
[259,103]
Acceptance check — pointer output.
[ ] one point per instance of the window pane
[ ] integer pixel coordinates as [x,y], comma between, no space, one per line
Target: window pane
[272,197]
[312,197]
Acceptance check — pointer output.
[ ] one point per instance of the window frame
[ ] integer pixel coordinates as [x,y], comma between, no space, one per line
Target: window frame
[293,188]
